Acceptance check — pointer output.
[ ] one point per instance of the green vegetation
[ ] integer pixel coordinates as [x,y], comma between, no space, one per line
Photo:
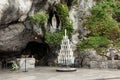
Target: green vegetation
[94,42]
[66,23]
[63,12]
[101,22]
[117,43]
[40,18]
[54,38]
[116,14]
[104,24]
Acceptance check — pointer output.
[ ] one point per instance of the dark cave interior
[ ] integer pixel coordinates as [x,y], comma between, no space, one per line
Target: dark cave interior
[41,51]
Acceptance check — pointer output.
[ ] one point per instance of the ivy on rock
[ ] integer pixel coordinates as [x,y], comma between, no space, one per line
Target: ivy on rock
[94,42]
[39,17]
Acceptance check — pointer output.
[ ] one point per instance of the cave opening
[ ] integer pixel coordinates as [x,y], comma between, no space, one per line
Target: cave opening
[39,50]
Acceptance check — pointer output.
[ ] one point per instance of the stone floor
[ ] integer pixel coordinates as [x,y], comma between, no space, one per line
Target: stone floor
[49,73]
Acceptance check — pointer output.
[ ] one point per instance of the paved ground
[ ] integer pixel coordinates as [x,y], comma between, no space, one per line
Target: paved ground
[49,73]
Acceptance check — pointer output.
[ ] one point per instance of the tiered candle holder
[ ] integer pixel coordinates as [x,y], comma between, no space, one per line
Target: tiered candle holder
[66,57]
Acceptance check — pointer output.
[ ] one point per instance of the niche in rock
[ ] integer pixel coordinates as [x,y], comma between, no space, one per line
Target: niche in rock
[40,51]
[68,2]
[54,19]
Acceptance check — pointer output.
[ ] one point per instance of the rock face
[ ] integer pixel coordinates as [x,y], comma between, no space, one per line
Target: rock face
[78,13]
[15,30]
[85,57]
[90,59]
[14,10]
[11,37]
[13,33]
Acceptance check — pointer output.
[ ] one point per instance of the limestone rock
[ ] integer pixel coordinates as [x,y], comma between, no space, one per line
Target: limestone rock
[99,64]
[78,13]
[85,58]
[15,30]
[14,10]
[14,37]
[13,33]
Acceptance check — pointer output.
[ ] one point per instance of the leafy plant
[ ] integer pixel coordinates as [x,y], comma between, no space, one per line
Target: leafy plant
[39,17]
[94,42]
[101,21]
[63,12]
[54,38]
[103,24]
[117,43]
[116,14]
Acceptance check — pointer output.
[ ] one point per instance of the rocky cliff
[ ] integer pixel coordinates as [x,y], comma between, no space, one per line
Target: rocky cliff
[16,30]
